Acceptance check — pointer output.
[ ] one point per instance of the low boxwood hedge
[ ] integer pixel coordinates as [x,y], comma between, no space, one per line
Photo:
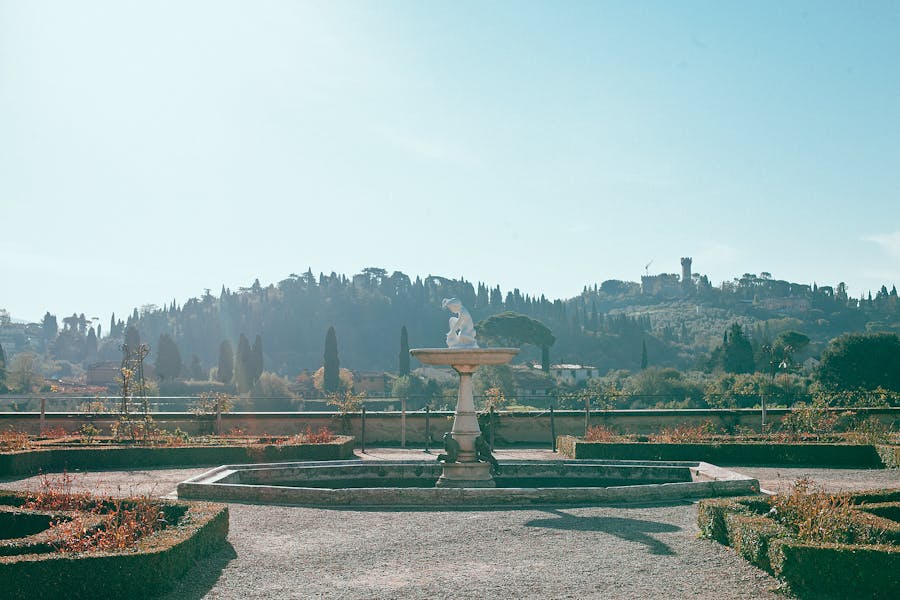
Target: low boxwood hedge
[821,570]
[838,570]
[152,567]
[73,458]
[727,453]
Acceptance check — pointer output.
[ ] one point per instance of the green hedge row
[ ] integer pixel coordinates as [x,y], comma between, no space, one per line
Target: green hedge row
[817,570]
[718,453]
[160,560]
[94,457]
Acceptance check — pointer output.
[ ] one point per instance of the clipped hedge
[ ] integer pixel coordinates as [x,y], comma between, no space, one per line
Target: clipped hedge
[727,453]
[839,570]
[159,560]
[73,458]
[821,570]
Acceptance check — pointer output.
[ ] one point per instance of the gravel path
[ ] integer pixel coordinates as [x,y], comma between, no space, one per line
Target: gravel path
[649,551]
[779,479]
[609,552]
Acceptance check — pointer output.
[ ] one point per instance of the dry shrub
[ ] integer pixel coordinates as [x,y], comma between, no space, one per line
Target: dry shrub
[55,493]
[55,432]
[97,522]
[810,420]
[870,431]
[210,403]
[815,515]
[685,434]
[120,527]
[236,432]
[601,433]
[321,436]
[14,441]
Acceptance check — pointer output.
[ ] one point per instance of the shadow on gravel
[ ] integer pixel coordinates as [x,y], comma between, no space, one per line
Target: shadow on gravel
[632,530]
[197,582]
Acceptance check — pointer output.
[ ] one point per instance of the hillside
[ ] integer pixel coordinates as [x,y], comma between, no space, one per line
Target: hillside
[680,321]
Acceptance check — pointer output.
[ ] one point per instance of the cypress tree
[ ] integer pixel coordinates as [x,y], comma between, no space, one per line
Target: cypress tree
[90,344]
[49,326]
[2,368]
[243,365]
[737,353]
[256,360]
[196,368]
[168,358]
[226,363]
[132,338]
[643,354]
[331,376]
[403,368]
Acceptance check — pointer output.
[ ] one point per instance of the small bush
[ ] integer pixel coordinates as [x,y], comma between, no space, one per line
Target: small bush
[120,527]
[210,402]
[55,432]
[870,431]
[815,515]
[88,433]
[811,420]
[55,493]
[322,436]
[685,433]
[601,433]
[14,441]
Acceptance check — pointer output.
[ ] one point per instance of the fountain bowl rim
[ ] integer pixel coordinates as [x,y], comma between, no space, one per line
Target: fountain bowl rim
[464,356]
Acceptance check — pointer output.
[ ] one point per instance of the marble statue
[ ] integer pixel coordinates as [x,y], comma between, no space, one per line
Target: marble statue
[462,329]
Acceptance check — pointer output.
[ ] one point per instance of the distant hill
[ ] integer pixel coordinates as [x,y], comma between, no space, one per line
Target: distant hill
[679,318]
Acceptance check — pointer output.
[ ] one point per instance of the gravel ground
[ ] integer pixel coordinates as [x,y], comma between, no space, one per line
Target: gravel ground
[649,551]
[609,552]
[779,479]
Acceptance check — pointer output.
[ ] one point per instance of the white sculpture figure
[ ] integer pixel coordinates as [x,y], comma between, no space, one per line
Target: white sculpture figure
[462,329]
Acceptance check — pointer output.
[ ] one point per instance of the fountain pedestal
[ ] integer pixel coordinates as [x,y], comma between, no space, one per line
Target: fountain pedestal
[467,471]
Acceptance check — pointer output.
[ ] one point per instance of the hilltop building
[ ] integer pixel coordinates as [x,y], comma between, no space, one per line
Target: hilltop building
[669,285]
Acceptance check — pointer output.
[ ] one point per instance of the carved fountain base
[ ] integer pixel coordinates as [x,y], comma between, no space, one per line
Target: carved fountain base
[466,475]
[467,471]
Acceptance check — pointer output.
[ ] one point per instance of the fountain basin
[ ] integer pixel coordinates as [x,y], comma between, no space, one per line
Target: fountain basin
[411,483]
[464,356]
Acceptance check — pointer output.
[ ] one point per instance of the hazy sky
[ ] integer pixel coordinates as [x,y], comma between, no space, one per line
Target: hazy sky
[149,150]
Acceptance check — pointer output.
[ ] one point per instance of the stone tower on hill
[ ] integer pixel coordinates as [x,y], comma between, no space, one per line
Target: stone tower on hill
[686,282]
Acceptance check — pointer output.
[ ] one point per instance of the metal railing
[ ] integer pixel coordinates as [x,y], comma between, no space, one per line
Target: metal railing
[577,401]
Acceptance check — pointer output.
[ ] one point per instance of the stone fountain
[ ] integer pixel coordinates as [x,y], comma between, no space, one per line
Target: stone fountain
[462,476]
[462,467]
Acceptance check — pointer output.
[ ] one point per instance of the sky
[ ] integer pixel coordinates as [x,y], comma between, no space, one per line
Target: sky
[149,151]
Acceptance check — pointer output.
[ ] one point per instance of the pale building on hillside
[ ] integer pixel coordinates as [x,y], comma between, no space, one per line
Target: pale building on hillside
[573,374]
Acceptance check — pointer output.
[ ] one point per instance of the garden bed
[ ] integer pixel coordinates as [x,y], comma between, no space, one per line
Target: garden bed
[735,453]
[79,550]
[57,456]
[823,546]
